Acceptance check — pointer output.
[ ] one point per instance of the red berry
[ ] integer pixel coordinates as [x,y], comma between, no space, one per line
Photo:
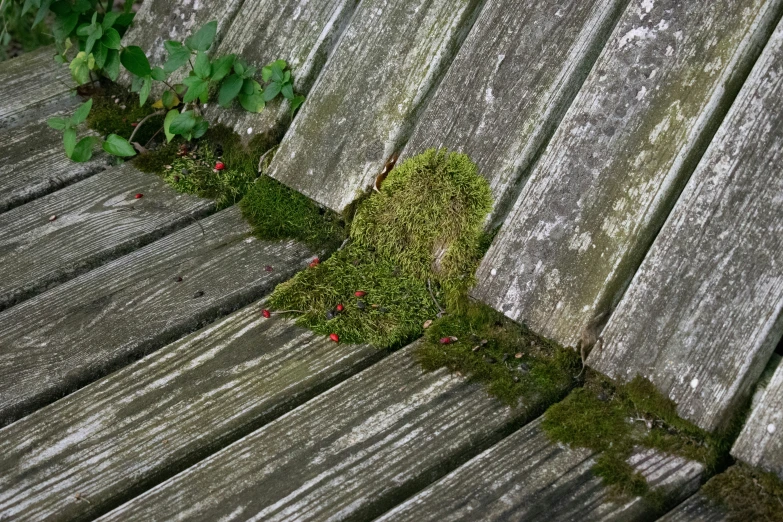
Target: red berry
[266,314]
[360,293]
[134,124]
[219,165]
[448,340]
[340,308]
[268,268]
[315,262]
[334,337]
[138,196]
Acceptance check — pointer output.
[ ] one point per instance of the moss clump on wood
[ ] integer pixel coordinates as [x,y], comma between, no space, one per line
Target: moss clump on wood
[514,363]
[415,241]
[615,418]
[747,494]
[115,110]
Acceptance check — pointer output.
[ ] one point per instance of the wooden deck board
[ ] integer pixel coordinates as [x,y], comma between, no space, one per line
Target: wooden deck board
[510,84]
[134,428]
[697,508]
[351,453]
[301,33]
[69,336]
[528,477]
[614,167]
[33,85]
[362,107]
[97,219]
[34,162]
[705,310]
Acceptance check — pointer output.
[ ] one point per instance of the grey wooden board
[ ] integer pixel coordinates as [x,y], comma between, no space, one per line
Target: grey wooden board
[363,105]
[696,508]
[705,310]
[510,84]
[351,453]
[32,85]
[528,477]
[98,219]
[134,428]
[610,174]
[760,443]
[300,32]
[71,335]
[34,162]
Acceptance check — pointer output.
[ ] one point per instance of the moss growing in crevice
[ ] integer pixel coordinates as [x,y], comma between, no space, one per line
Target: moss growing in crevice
[746,493]
[615,418]
[415,246]
[514,363]
[115,110]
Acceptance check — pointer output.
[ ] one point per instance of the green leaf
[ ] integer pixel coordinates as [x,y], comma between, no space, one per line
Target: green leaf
[79,69]
[159,74]
[286,77]
[252,102]
[83,150]
[169,99]
[64,25]
[136,83]
[272,90]
[196,88]
[29,4]
[43,10]
[111,38]
[176,60]
[239,67]
[81,113]
[296,103]
[288,91]
[100,53]
[200,128]
[69,141]
[266,73]
[183,123]
[229,90]
[203,37]
[95,35]
[202,67]
[173,113]
[144,92]
[249,86]
[57,123]
[277,70]
[109,19]
[111,67]
[118,146]
[222,66]
[134,59]
[124,20]
[84,30]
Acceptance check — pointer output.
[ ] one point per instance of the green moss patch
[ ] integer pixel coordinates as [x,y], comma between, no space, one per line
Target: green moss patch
[115,111]
[515,364]
[414,247]
[747,494]
[614,418]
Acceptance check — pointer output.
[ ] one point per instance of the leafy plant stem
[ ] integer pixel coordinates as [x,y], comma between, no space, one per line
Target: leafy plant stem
[147,117]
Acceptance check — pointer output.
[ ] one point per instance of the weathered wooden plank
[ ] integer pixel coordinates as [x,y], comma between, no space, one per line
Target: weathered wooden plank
[164,413]
[73,334]
[34,163]
[97,219]
[33,85]
[528,477]
[760,442]
[510,84]
[705,310]
[350,453]
[362,108]
[697,508]
[626,146]
[298,32]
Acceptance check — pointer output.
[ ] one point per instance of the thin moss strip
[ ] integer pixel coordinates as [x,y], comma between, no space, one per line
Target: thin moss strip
[746,493]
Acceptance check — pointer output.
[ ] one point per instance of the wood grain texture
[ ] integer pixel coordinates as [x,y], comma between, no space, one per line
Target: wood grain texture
[510,84]
[134,428]
[696,508]
[302,33]
[705,310]
[614,167]
[350,453]
[32,86]
[34,162]
[760,443]
[528,477]
[69,336]
[98,219]
[362,108]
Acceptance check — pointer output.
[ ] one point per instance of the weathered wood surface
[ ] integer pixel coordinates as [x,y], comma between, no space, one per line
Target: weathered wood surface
[705,310]
[696,508]
[760,444]
[65,338]
[528,477]
[299,32]
[608,178]
[97,219]
[510,84]
[351,453]
[141,425]
[34,163]
[362,108]
[33,85]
